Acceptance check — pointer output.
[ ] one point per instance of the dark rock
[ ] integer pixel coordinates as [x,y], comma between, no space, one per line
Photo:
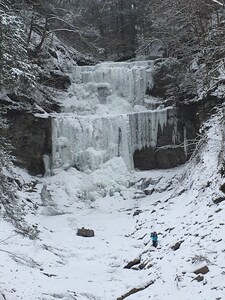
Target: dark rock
[142,266]
[170,229]
[137,212]
[144,183]
[30,137]
[170,157]
[85,61]
[56,80]
[132,263]
[53,53]
[219,200]
[202,270]
[103,93]
[166,154]
[165,77]
[222,188]
[176,246]
[199,278]
[222,170]
[21,98]
[49,275]
[149,191]
[85,232]
[135,290]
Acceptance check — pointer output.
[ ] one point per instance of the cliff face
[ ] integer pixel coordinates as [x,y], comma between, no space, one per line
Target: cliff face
[30,137]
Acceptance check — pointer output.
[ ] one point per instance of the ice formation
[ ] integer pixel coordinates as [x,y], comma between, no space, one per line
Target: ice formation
[87,142]
[129,80]
[107,114]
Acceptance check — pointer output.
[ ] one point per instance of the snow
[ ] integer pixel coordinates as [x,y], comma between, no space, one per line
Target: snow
[62,265]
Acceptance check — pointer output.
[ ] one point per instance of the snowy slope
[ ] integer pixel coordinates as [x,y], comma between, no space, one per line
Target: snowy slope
[180,207]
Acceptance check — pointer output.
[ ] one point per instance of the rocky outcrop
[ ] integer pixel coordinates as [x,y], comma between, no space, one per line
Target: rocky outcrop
[136,290]
[218,200]
[132,263]
[30,137]
[161,158]
[55,79]
[169,151]
[190,116]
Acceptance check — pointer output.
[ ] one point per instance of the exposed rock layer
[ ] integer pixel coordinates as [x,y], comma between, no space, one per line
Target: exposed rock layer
[30,137]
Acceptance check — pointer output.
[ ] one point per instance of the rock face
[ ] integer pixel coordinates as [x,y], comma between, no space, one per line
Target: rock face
[30,137]
[169,151]
[161,158]
[56,80]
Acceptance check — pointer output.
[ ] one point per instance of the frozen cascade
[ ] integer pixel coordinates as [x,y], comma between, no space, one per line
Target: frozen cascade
[108,114]
[107,83]
[86,142]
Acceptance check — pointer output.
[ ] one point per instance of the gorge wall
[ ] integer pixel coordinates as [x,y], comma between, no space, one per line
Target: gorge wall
[107,112]
[30,137]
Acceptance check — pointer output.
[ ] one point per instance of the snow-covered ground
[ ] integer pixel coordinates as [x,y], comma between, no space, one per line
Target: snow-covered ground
[177,203]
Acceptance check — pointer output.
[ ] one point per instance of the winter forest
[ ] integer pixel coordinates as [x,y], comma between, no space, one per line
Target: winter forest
[112,149]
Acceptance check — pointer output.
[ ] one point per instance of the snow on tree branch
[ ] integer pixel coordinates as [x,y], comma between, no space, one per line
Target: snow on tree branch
[215,1]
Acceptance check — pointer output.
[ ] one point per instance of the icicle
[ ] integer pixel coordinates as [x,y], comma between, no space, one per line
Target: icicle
[47,164]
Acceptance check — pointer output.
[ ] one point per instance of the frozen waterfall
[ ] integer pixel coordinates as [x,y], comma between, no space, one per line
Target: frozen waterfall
[107,113]
[86,142]
[128,80]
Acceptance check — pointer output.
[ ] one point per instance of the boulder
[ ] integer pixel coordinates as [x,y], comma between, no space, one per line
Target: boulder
[85,232]
[202,270]
[132,263]
[199,278]
[137,212]
[177,245]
